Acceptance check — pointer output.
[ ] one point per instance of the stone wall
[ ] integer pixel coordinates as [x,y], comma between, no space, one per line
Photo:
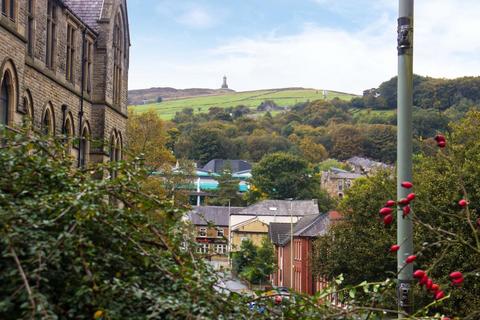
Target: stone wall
[47,86]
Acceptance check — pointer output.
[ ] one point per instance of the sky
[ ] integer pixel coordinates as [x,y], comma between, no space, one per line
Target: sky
[342,45]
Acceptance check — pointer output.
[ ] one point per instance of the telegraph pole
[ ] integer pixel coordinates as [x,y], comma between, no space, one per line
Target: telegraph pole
[404,151]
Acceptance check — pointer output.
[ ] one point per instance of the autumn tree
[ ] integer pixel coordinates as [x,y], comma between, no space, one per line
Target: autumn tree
[147,138]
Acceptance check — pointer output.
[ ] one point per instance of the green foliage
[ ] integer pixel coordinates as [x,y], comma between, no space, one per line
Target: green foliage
[282,176]
[227,192]
[446,236]
[72,244]
[254,264]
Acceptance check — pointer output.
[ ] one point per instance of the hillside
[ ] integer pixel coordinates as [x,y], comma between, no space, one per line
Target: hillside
[285,97]
[153,94]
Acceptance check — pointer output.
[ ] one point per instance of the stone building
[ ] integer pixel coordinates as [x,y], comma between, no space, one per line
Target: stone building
[64,64]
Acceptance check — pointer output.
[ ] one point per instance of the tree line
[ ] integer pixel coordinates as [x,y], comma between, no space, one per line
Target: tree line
[318,130]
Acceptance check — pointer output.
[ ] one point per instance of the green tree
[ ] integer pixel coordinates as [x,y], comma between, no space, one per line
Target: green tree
[263,265]
[282,176]
[227,192]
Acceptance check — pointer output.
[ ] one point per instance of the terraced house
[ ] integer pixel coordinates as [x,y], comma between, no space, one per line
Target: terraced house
[64,64]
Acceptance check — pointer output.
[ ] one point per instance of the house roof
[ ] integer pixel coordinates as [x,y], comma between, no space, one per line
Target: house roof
[218,216]
[277,232]
[90,11]
[310,226]
[217,165]
[281,208]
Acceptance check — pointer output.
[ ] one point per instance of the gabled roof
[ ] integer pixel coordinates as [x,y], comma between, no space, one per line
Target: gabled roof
[281,208]
[89,11]
[218,165]
[310,226]
[218,216]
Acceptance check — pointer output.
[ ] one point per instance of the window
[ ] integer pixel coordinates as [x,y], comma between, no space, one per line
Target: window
[71,31]
[202,248]
[220,233]
[8,9]
[202,232]
[88,66]
[221,248]
[51,33]
[68,132]
[4,100]
[298,250]
[30,28]
[48,124]
[84,151]
[117,59]
[115,146]
[340,185]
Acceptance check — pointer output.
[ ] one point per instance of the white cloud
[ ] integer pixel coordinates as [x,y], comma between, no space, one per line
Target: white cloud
[188,13]
[447,44]
[197,18]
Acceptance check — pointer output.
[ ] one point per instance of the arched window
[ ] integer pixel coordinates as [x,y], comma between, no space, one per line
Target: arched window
[5,98]
[118,47]
[27,108]
[84,151]
[48,122]
[119,147]
[115,146]
[68,131]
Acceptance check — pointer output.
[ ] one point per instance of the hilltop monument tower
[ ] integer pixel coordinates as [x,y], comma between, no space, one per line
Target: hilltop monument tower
[224,85]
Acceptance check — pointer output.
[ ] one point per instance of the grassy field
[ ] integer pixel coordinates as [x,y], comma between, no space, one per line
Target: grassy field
[251,99]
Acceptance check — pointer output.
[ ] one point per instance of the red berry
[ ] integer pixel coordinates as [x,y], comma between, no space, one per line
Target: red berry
[424,280]
[456,275]
[418,274]
[457,282]
[407,184]
[411,258]
[462,203]
[394,248]
[388,219]
[439,295]
[439,138]
[429,284]
[435,287]
[446,318]
[411,196]
[406,211]
[385,211]
[403,202]
[441,144]
[278,299]
[390,203]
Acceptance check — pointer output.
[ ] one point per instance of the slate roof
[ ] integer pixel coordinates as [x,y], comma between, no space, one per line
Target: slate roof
[309,226]
[277,232]
[217,165]
[218,216]
[281,208]
[89,11]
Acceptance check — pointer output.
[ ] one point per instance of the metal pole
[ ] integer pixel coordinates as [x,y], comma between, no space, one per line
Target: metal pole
[291,245]
[404,151]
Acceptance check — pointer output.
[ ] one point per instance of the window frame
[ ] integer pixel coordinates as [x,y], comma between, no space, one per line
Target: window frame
[51,34]
[30,27]
[202,232]
[71,52]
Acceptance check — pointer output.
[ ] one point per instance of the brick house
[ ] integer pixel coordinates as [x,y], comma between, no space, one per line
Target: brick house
[64,64]
[211,232]
[336,181]
[253,220]
[299,278]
